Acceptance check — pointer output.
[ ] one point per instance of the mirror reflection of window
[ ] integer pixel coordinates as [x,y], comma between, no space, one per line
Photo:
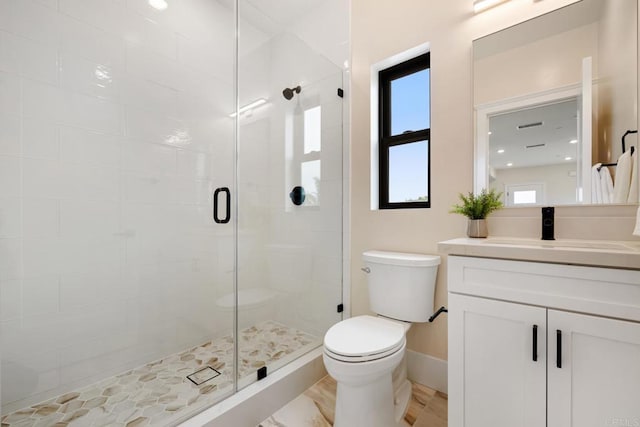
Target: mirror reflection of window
[525,197]
[525,194]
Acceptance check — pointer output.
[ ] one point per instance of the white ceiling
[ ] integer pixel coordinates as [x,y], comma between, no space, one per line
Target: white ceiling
[559,126]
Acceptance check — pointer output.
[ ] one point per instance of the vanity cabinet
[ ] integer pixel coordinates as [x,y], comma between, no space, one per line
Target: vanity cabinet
[539,344]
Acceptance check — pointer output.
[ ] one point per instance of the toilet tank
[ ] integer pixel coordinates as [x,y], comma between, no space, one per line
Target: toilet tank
[401,285]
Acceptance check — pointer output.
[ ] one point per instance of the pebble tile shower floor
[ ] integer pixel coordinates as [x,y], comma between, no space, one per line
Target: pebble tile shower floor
[160,393]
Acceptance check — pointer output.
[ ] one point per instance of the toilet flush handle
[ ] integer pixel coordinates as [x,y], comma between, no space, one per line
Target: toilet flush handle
[366,269]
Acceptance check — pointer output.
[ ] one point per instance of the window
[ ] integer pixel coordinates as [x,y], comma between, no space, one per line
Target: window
[404,134]
[524,194]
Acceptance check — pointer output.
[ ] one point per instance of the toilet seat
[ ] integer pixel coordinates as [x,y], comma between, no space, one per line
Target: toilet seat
[363,338]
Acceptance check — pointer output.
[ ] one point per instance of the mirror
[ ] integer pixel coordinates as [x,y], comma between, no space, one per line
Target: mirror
[554,96]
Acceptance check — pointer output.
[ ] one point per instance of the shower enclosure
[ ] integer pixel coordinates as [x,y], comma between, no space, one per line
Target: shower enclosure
[170,201]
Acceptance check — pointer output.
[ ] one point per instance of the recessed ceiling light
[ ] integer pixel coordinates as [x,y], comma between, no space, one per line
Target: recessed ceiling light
[568,158]
[573,141]
[489,133]
[509,164]
[500,151]
[158,4]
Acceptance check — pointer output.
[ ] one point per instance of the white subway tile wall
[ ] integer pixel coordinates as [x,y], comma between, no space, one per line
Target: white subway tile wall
[115,129]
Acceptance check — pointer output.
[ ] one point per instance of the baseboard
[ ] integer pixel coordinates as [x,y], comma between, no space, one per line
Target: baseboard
[256,402]
[427,370]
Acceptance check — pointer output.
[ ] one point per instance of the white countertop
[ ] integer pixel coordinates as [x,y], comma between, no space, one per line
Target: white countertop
[596,253]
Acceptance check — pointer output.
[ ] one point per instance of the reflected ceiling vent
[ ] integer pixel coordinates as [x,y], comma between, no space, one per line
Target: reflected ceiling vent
[529,125]
[535,146]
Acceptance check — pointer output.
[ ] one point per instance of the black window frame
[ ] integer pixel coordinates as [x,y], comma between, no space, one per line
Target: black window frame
[386,140]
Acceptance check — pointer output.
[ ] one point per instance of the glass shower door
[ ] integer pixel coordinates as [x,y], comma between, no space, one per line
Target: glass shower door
[116,130]
[289,194]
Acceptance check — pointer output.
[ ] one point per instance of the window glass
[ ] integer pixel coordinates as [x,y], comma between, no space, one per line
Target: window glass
[524,197]
[408,178]
[410,102]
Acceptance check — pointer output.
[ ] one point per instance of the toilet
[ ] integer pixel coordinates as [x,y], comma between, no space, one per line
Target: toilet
[366,354]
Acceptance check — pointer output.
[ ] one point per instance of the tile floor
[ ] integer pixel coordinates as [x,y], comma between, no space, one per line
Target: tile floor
[160,393]
[315,408]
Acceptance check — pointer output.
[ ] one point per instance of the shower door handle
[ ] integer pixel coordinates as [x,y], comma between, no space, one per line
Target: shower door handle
[227,216]
[535,343]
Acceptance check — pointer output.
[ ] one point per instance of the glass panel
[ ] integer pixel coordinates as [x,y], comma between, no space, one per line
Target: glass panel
[289,256]
[410,109]
[114,278]
[408,172]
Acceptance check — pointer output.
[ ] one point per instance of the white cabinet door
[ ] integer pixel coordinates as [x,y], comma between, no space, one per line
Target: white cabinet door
[597,382]
[494,380]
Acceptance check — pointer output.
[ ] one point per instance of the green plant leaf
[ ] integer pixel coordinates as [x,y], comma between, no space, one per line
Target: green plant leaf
[478,206]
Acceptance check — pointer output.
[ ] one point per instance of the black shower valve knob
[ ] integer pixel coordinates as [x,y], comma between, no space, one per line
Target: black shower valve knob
[297,195]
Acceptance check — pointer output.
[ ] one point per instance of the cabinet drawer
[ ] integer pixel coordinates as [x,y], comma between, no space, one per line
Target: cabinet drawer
[601,291]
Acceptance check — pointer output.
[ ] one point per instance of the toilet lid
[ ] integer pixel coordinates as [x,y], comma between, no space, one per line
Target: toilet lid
[364,337]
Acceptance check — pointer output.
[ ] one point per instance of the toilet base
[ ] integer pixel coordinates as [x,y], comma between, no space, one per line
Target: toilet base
[369,405]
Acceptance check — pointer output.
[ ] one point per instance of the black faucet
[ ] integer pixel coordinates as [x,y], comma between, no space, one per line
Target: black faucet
[547,223]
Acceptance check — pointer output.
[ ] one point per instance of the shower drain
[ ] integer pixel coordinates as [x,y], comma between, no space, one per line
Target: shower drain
[203,375]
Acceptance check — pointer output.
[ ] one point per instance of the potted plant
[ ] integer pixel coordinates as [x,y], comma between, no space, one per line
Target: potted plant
[476,208]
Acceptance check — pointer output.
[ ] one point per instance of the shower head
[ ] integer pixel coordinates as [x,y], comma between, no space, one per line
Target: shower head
[289,92]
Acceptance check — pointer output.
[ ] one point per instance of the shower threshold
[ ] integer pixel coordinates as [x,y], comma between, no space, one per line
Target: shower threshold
[170,390]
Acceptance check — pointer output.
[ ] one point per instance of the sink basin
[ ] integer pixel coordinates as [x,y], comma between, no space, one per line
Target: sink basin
[602,245]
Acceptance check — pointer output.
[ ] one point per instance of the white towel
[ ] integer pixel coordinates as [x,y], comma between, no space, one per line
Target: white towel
[633,188]
[606,185]
[636,232]
[622,182]
[596,187]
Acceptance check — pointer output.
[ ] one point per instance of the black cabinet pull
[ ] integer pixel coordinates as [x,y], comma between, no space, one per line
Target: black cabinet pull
[558,348]
[227,216]
[535,343]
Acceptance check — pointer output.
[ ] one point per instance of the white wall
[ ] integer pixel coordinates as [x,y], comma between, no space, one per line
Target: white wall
[544,64]
[379,30]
